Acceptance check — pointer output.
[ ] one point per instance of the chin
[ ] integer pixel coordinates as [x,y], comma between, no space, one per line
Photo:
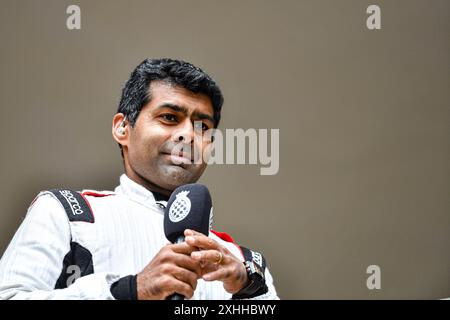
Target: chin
[175,176]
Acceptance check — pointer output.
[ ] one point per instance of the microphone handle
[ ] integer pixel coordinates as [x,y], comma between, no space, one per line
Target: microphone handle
[177,296]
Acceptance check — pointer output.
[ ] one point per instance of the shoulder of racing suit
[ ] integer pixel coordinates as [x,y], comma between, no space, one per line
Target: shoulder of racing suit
[77,208]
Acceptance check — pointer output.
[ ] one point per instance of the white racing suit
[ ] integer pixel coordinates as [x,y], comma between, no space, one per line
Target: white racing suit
[125,233]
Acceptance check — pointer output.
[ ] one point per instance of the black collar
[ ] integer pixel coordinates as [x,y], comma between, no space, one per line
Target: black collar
[160,197]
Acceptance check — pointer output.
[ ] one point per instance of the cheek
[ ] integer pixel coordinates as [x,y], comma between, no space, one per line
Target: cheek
[201,142]
[138,149]
[150,140]
[205,148]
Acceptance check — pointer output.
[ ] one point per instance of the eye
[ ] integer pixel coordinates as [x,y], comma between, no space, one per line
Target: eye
[169,117]
[203,125]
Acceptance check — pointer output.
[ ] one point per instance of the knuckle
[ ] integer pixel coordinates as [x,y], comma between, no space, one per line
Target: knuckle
[180,275]
[215,255]
[165,281]
[165,256]
[162,255]
[165,269]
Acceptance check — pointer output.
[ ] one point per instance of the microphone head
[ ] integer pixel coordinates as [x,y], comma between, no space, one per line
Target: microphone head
[189,207]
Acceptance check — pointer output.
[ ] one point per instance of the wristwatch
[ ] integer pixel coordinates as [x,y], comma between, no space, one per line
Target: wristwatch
[256,284]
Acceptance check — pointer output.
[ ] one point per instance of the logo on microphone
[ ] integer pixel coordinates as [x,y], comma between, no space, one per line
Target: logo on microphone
[180,207]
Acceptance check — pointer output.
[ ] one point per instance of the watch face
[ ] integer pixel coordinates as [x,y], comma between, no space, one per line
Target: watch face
[254,269]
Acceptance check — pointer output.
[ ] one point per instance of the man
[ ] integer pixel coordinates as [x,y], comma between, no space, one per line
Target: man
[111,245]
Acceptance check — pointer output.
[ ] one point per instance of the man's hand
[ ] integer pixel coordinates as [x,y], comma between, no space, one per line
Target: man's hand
[171,271]
[217,262]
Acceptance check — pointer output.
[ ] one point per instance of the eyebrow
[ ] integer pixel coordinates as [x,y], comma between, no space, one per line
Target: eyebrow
[184,110]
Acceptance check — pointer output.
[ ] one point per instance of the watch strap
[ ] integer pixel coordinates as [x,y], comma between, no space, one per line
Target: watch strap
[255,265]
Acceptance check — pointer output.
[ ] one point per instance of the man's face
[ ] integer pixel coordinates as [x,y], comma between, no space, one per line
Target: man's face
[167,122]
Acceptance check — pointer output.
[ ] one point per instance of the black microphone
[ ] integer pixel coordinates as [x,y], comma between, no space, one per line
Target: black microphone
[189,207]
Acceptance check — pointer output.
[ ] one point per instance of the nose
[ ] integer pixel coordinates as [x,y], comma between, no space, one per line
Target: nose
[184,132]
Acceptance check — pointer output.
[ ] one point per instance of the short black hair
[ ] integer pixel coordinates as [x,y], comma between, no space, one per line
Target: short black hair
[136,93]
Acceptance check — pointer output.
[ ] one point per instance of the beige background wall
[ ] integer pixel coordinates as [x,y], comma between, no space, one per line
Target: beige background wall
[363,116]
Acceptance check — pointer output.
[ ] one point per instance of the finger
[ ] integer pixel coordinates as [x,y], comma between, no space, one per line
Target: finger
[181,258]
[210,256]
[180,287]
[190,232]
[203,242]
[183,247]
[220,274]
[185,276]
[208,268]
[186,262]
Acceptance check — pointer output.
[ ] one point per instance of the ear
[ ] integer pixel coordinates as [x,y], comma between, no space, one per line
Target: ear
[120,129]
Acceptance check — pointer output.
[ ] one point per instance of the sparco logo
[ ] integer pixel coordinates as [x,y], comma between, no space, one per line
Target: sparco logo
[73,203]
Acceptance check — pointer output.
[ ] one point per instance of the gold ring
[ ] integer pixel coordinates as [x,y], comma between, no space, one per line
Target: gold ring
[220,258]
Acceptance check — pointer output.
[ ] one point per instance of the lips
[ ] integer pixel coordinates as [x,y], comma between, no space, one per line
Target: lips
[180,158]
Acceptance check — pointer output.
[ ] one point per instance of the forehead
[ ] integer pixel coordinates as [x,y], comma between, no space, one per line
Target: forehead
[162,92]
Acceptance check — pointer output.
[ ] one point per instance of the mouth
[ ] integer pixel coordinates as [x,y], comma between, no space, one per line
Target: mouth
[180,158]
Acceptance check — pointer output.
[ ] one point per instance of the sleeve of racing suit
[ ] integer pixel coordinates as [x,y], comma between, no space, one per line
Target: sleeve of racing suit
[33,260]
[271,293]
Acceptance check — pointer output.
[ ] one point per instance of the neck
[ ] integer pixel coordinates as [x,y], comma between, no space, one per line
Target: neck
[158,192]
